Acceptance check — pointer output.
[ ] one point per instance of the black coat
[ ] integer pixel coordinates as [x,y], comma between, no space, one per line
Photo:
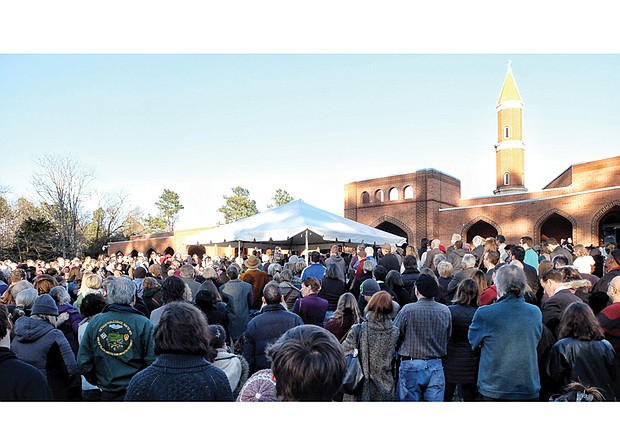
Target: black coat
[265,329]
[21,381]
[409,276]
[461,363]
[331,290]
[553,307]
[592,363]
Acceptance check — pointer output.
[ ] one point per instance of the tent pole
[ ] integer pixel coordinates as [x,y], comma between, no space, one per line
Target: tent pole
[239,248]
[307,253]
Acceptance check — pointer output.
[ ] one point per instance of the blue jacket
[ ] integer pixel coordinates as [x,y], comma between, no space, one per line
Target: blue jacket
[265,329]
[507,332]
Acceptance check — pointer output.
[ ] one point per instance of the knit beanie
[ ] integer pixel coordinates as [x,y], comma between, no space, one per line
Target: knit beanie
[259,388]
[45,304]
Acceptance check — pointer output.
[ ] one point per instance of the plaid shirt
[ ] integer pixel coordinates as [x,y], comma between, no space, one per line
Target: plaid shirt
[425,327]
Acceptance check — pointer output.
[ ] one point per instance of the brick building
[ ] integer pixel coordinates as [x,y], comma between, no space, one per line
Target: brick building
[583,202]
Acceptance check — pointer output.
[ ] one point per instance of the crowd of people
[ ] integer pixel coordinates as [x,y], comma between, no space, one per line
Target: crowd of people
[480,321]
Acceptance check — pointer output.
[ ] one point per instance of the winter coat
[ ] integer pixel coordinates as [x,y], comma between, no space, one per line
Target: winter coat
[377,344]
[592,363]
[508,333]
[236,368]
[553,307]
[340,326]
[265,329]
[311,309]
[409,277]
[175,377]
[460,365]
[289,293]
[258,279]
[70,327]
[117,344]
[340,264]
[331,290]
[152,298]
[41,345]
[20,380]
[455,258]
[239,296]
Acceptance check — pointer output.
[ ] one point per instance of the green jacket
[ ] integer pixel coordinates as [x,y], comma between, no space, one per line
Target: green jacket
[117,344]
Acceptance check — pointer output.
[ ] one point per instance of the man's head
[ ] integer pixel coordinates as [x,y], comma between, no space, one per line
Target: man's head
[477,240]
[435,243]
[517,252]
[334,249]
[613,260]
[315,257]
[121,291]
[500,239]
[490,258]
[613,289]
[527,242]
[560,260]
[455,238]
[551,243]
[426,286]
[468,261]
[187,271]
[271,293]
[369,287]
[308,364]
[386,248]
[173,289]
[232,271]
[510,279]
[380,273]
[410,262]
[139,273]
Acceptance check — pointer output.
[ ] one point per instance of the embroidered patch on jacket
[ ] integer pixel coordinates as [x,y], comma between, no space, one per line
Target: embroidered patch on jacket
[115,338]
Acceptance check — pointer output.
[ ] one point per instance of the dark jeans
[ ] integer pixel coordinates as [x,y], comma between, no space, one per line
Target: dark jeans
[91,395]
[468,392]
[486,398]
[113,396]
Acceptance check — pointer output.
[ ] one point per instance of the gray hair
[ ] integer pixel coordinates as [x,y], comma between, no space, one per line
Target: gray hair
[60,295]
[369,265]
[121,290]
[439,258]
[273,268]
[25,298]
[469,260]
[510,279]
[271,293]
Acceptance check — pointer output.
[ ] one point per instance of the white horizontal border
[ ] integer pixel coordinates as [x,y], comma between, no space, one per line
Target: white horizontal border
[509,104]
[510,144]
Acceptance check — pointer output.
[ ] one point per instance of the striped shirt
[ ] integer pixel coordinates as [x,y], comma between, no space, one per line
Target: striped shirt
[425,328]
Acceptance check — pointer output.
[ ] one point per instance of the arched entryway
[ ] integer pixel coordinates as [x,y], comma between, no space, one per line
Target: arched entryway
[392,229]
[133,253]
[556,226]
[199,250]
[481,228]
[609,226]
[169,251]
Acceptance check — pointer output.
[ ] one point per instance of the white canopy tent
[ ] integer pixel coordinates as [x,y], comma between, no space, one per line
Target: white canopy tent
[295,225]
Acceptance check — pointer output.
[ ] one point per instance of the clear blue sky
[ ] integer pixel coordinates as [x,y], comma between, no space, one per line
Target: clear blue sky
[308,123]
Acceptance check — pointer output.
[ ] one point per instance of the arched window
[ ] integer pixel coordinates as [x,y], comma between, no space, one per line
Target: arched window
[379,195]
[365,197]
[506,132]
[408,192]
[506,179]
[393,195]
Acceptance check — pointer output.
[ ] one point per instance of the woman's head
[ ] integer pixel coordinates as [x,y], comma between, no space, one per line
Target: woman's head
[92,304]
[91,281]
[173,289]
[379,306]
[44,283]
[578,321]
[311,285]
[150,283]
[183,329]
[466,293]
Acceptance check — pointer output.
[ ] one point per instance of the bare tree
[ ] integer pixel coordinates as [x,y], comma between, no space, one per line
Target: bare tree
[63,185]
